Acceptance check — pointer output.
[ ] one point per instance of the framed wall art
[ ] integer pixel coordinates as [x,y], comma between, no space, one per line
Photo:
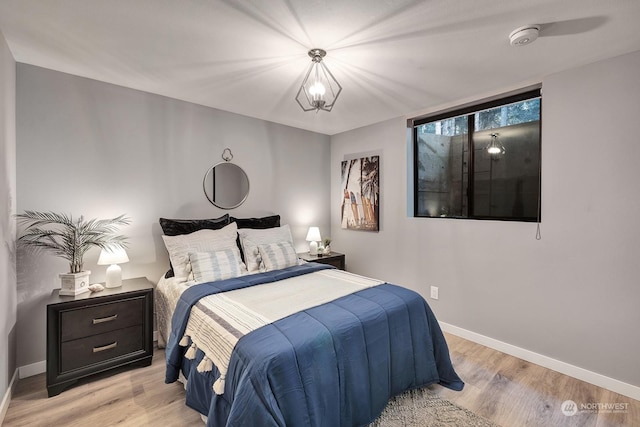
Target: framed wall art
[360,180]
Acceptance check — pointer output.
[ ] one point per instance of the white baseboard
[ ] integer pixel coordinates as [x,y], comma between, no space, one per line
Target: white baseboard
[33,369]
[594,378]
[6,400]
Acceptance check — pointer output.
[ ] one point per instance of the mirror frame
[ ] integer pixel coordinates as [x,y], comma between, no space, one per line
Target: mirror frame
[204,185]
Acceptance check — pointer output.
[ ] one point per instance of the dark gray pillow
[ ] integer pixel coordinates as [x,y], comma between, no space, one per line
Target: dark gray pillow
[257,223]
[176,227]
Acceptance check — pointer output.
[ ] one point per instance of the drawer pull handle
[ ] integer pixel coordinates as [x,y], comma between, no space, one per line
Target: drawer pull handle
[105,319]
[106,347]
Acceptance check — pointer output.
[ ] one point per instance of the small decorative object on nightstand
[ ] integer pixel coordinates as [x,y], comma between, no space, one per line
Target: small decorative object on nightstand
[96,332]
[333,258]
[326,246]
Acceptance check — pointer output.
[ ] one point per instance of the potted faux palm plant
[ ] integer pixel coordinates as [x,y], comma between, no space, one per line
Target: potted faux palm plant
[70,239]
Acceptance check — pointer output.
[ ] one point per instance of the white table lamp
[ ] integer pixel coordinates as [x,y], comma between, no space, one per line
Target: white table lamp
[112,257]
[313,237]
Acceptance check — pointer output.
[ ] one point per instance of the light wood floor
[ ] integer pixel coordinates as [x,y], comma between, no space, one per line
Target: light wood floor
[512,392]
[502,388]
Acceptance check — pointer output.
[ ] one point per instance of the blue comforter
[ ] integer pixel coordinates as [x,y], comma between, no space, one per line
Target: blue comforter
[333,365]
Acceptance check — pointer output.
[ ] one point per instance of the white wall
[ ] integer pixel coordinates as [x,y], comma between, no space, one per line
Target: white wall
[91,148]
[7,223]
[572,296]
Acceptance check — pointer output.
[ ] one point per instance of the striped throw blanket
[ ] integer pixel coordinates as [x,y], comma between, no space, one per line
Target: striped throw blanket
[218,321]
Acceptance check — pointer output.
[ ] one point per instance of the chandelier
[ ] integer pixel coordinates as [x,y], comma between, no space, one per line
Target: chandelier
[319,89]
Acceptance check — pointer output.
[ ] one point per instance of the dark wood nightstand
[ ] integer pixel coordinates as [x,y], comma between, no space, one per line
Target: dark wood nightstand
[334,258]
[95,332]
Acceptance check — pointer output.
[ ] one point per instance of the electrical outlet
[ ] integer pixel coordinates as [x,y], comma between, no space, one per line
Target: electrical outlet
[434,292]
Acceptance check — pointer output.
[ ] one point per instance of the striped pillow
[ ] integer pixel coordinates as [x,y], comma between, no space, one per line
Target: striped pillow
[218,265]
[251,238]
[274,256]
[180,246]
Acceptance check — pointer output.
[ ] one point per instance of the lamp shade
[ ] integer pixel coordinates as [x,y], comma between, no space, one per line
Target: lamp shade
[313,235]
[115,255]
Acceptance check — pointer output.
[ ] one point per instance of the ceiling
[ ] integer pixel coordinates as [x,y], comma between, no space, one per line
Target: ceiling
[392,57]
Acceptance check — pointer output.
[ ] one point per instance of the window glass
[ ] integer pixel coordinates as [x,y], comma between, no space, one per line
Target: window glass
[441,164]
[507,115]
[484,164]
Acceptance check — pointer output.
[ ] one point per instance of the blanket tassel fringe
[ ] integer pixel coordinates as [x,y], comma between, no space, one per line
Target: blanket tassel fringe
[184,341]
[218,386]
[191,353]
[205,365]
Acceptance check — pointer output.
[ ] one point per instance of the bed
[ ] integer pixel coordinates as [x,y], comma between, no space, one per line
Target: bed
[262,338]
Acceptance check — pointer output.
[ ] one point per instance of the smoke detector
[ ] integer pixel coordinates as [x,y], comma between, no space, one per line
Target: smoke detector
[524,35]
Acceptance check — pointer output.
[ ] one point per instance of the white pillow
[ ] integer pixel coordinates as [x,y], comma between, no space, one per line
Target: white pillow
[250,239]
[218,265]
[275,256]
[180,246]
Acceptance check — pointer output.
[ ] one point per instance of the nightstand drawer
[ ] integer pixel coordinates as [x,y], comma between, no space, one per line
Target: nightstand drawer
[98,348]
[100,318]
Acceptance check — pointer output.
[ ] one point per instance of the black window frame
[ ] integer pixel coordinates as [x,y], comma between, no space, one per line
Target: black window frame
[469,111]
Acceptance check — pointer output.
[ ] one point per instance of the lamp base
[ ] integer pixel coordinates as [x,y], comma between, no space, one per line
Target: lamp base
[114,276]
[313,248]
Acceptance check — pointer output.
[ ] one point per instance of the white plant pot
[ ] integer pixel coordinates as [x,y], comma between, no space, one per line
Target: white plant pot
[74,283]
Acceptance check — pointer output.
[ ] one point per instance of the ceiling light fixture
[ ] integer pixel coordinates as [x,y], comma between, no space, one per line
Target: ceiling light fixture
[524,35]
[319,89]
[495,147]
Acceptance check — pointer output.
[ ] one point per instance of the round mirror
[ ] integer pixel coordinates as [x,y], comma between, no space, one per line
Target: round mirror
[226,185]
